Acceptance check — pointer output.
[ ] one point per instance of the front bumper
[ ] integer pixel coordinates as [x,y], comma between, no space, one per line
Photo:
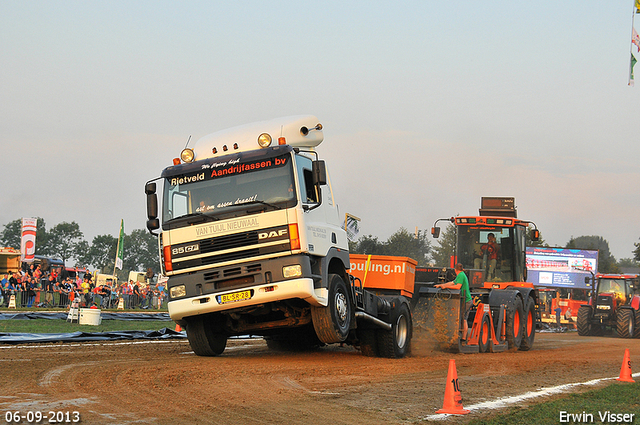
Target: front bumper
[302,288]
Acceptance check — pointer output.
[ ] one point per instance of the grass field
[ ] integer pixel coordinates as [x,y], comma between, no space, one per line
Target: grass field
[595,406]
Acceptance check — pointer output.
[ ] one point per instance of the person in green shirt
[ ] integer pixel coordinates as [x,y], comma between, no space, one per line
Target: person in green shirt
[461,282]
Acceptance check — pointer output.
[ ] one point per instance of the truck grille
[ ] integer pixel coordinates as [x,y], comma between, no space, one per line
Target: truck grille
[210,248]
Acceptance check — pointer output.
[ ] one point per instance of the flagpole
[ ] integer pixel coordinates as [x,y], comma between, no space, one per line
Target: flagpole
[115,263]
[633,18]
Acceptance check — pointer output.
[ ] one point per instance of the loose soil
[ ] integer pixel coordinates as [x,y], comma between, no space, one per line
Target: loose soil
[163,382]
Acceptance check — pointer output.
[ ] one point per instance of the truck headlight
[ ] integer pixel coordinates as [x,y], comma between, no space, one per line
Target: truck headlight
[178,291]
[292,271]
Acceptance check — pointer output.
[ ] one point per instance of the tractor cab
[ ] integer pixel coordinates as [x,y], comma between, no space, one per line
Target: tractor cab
[613,291]
[491,247]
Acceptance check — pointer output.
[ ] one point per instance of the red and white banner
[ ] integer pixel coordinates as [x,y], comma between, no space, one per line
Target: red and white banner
[28,243]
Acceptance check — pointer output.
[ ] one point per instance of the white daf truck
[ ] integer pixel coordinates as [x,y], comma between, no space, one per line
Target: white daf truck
[252,243]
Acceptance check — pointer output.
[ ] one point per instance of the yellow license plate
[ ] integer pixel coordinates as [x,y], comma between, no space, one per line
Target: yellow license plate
[234,297]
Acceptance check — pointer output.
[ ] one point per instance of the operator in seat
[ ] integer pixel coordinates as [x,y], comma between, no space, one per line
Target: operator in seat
[490,255]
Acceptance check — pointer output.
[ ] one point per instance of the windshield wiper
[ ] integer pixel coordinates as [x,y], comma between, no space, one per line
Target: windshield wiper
[274,206]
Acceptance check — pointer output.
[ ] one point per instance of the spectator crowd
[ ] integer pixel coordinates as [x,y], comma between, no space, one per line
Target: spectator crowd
[48,289]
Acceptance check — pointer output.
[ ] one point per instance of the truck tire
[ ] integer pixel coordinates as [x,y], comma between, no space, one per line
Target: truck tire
[396,343]
[515,323]
[529,325]
[332,323]
[625,323]
[484,337]
[203,339]
[299,340]
[368,342]
[584,321]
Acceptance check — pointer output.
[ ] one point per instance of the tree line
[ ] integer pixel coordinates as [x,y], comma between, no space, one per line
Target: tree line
[66,242]
[417,246]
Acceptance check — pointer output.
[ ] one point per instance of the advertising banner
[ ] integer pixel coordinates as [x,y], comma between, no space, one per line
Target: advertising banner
[561,267]
[28,242]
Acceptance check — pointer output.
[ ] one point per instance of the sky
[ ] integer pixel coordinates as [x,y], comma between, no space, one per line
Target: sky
[426,105]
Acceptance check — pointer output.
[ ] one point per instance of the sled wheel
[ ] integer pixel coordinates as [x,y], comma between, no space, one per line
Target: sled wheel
[484,338]
[529,325]
[515,322]
[332,323]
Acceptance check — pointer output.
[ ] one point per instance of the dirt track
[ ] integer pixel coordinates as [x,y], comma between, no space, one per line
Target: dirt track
[165,383]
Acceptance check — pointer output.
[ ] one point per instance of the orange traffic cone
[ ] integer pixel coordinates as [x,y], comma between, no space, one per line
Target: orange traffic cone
[178,328]
[452,396]
[625,371]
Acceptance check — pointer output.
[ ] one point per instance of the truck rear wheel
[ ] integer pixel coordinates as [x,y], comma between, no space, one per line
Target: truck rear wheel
[625,322]
[396,342]
[204,340]
[529,325]
[368,342]
[515,322]
[332,323]
[584,321]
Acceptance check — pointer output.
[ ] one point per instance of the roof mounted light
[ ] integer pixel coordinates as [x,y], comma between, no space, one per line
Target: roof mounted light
[264,140]
[187,155]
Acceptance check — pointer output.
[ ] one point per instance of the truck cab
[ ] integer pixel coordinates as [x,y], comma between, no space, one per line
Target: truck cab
[251,236]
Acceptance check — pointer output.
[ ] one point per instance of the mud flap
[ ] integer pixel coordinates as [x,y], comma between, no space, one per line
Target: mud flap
[436,319]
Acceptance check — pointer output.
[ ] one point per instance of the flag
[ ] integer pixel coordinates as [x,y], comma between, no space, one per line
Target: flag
[351,226]
[635,38]
[637,6]
[28,241]
[633,63]
[120,254]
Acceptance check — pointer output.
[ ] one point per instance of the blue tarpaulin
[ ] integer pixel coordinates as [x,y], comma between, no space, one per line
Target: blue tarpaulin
[25,338]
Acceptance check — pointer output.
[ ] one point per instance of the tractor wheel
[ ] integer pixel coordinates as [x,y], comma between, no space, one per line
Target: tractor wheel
[636,333]
[484,338]
[625,322]
[368,342]
[205,340]
[396,343]
[584,321]
[529,325]
[332,323]
[515,323]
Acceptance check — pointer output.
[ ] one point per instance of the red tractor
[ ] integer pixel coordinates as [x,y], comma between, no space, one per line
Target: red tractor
[614,304]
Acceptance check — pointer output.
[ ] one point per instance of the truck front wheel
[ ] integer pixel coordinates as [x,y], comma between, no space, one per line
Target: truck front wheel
[332,323]
[203,337]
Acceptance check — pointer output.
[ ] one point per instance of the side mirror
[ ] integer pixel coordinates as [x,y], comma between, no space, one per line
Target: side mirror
[435,232]
[152,207]
[319,173]
[535,235]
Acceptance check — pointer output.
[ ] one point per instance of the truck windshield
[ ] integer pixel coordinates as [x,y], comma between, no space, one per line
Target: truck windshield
[496,252]
[231,185]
